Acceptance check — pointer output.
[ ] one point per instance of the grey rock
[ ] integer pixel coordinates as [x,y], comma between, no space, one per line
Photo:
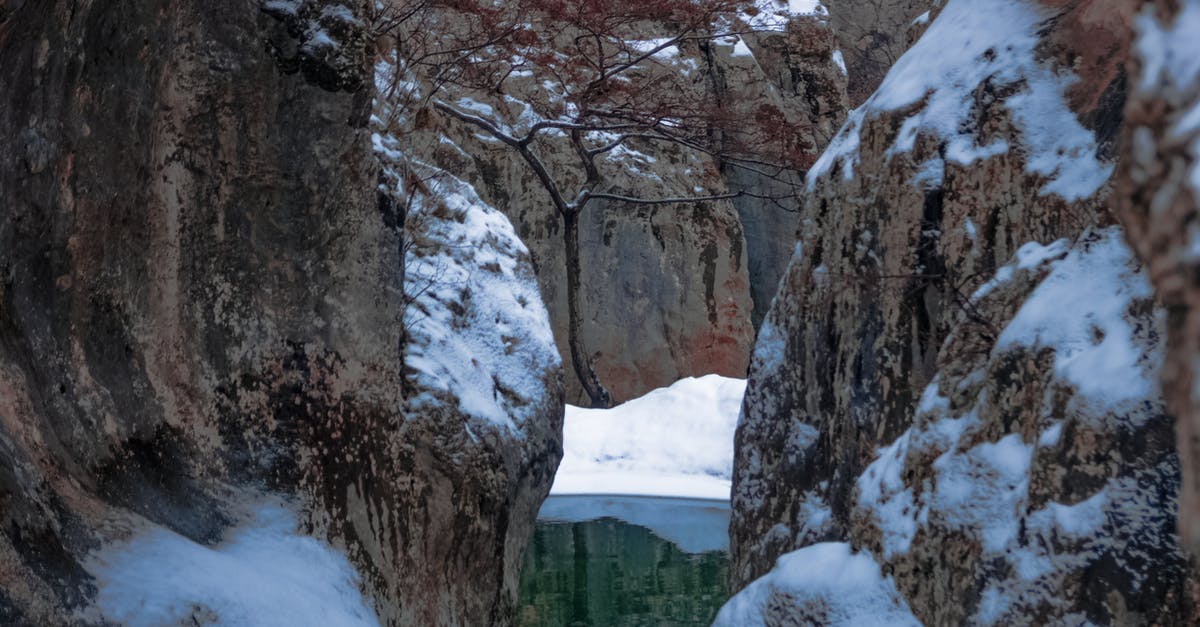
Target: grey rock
[201,291]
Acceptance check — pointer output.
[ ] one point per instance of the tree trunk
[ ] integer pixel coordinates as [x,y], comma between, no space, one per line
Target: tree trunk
[599,396]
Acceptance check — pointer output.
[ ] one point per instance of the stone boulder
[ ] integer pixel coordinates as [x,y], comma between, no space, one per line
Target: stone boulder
[991,435]
[956,162]
[202,304]
[1039,480]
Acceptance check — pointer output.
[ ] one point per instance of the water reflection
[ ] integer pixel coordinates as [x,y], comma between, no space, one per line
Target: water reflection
[603,561]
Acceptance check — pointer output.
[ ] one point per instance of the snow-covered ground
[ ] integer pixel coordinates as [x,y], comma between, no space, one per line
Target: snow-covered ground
[264,573]
[673,442]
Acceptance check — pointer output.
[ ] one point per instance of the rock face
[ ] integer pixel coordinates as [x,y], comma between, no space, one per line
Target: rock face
[665,288]
[1039,480]
[790,73]
[906,380]
[1158,194]
[670,291]
[872,34]
[201,300]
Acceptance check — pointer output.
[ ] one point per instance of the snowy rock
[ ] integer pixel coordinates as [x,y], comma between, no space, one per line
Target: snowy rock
[1038,480]
[668,291]
[203,305]
[1158,198]
[932,184]
[959,374]
[483,399]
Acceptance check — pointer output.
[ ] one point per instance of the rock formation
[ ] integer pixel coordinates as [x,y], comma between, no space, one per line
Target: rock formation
[1158,195]
[956,375]
[676,290]
[790,72]
[202,301]
[872,34]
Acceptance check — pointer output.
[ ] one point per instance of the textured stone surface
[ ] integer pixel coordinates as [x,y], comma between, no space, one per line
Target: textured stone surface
[790,75]
[892,243]
[1039,480]
[1035,478]
[1158,196]
[669,291]
[200,295]
[872,34]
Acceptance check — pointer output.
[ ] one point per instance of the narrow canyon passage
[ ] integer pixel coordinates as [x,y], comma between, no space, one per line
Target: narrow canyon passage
[635,530]
[592,313]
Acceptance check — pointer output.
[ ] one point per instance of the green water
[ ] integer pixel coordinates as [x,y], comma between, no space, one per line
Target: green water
[609,572]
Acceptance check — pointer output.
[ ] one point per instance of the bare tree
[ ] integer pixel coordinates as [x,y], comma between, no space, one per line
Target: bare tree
[615,90]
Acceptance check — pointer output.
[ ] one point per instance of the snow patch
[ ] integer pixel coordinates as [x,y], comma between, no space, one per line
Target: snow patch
[674,441]
[882,491]
[839,61]
[930,175]
[980,487]
[478,330]
[264,573]
[775,15]
[644,46]
[769,346]
[1030,255]
[740,49]
[844,589]
[287,7]
[1171,60]
[1080,310]
[980,492]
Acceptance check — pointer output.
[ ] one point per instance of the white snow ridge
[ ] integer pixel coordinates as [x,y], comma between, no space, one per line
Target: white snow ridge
[675,441]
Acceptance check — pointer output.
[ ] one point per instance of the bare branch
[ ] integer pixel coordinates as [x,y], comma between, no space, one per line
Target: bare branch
[531,159]
[633,200]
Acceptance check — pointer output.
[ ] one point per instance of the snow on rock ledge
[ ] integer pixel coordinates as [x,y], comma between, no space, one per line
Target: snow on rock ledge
[823,584]
[478,331]
[482,388]
[1039,479]
[937,91]
[996,129]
